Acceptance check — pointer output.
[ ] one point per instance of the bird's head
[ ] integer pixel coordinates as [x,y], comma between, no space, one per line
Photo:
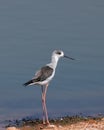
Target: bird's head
[60,53]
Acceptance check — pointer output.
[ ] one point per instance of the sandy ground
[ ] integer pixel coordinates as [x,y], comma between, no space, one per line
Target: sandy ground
[81,125]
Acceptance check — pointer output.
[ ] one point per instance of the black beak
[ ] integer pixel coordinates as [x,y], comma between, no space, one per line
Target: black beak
[69,57]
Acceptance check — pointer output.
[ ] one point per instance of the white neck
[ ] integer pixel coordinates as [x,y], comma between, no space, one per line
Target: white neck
[54,61]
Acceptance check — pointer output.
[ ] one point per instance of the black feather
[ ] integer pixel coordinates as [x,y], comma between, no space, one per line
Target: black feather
[29,82]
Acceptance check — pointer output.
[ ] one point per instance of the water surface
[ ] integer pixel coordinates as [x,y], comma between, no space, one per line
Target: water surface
[29,32]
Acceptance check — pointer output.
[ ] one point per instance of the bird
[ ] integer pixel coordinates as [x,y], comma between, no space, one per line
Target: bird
[44,76]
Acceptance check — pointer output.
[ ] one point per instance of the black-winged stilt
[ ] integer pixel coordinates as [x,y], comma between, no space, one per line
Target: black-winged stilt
[43,78]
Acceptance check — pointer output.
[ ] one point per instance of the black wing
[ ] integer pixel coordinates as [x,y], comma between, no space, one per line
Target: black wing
[41,75]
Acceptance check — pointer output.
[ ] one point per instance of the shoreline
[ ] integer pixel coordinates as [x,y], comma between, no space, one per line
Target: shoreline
[63,123]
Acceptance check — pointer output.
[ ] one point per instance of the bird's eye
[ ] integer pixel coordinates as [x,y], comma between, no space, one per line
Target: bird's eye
[58,52]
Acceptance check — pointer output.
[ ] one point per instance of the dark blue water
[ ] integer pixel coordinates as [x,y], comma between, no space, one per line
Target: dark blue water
[29,32]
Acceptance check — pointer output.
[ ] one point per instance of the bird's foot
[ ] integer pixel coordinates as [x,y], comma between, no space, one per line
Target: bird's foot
[47,125]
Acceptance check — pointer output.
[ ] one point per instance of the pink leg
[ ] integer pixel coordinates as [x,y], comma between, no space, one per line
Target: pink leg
[45,114]
[43,104]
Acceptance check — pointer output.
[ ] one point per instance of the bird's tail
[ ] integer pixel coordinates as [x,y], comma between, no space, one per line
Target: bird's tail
[30,82]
